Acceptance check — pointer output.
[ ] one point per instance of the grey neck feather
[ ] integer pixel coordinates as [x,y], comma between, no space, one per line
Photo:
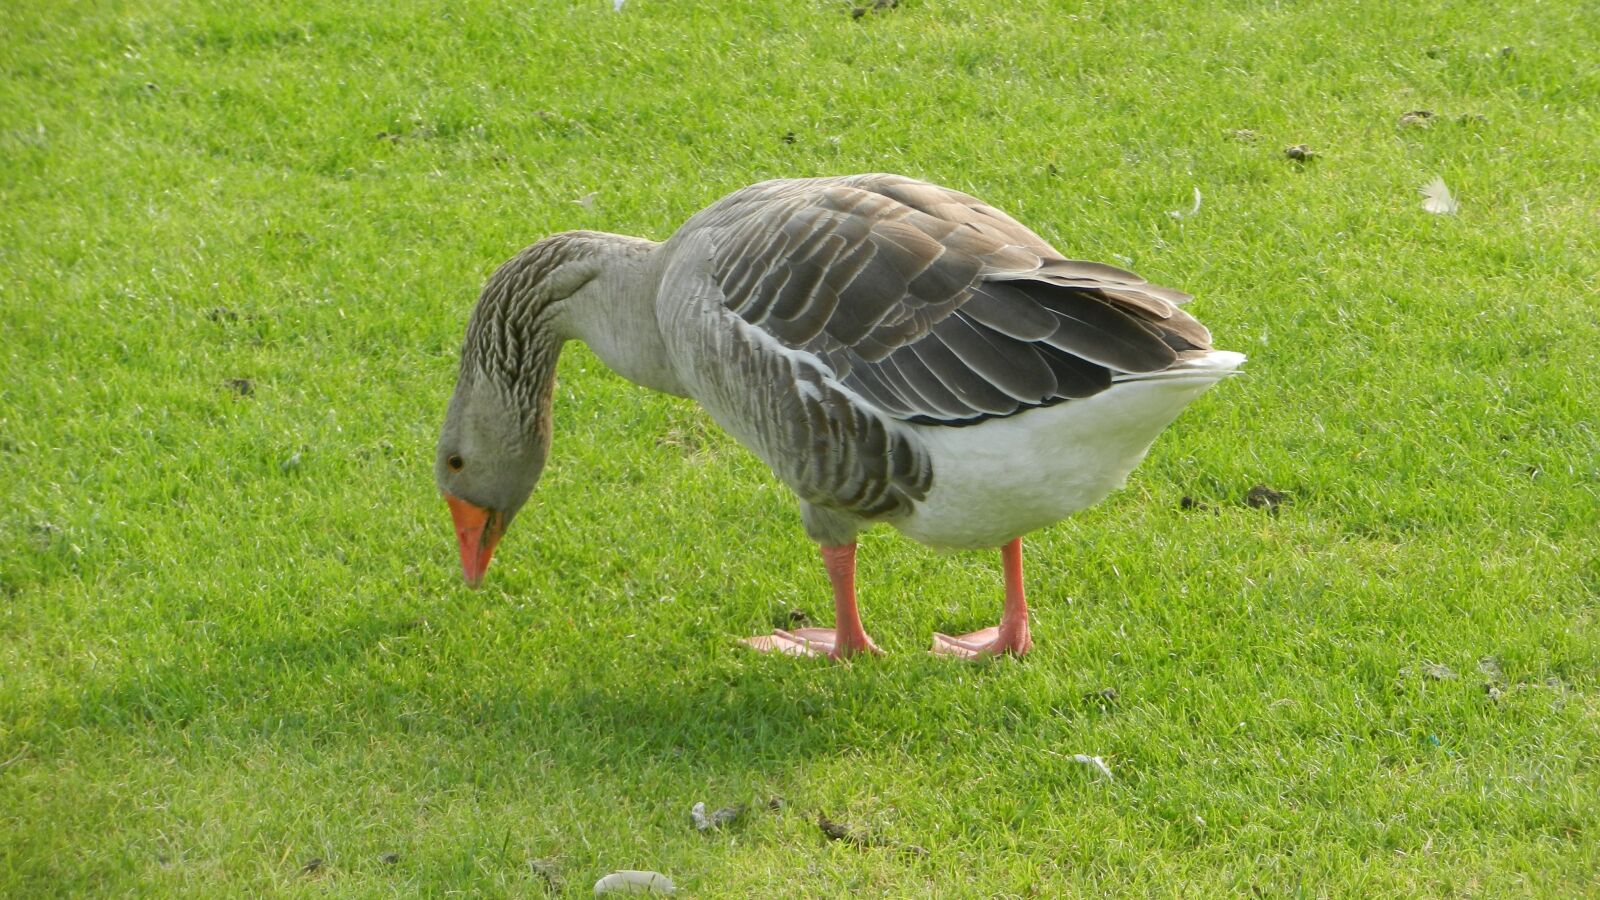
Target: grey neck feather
[579,284]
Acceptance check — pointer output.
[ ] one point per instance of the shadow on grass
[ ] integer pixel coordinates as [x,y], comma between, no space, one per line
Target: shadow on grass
[705,709]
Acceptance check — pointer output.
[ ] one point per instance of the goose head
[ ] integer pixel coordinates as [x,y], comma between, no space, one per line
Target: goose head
[496,433]
[489,459]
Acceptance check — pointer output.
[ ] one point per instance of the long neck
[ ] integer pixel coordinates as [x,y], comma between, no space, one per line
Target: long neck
[598,288]
[615,314]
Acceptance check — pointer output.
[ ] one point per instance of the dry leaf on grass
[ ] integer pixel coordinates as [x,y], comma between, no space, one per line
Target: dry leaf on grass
[863,839]
[1263,497]
[549,871]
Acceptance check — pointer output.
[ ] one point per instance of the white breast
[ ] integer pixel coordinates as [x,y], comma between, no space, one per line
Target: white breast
[1002,478]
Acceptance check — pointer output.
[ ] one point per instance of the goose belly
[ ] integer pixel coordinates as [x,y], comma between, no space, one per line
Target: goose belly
[1002,478]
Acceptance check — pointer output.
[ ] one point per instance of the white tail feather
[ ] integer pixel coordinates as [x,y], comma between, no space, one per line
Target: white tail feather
[1211,366]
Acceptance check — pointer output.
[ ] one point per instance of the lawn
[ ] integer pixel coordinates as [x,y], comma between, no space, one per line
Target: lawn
[238,247]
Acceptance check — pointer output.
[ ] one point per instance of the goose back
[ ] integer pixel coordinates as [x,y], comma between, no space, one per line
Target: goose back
[931,305]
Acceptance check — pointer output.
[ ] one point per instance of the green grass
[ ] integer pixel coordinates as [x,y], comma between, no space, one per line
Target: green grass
[232,634]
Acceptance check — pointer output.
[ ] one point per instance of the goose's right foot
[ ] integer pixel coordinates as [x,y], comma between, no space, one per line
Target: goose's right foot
[845,639]
[813,642]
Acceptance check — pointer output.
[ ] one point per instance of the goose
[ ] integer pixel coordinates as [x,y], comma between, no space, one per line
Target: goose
[895,351]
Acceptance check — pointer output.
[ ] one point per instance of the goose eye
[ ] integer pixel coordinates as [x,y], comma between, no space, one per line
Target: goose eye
[454,462]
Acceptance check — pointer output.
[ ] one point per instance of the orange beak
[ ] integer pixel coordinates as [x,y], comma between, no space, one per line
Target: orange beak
[478,530]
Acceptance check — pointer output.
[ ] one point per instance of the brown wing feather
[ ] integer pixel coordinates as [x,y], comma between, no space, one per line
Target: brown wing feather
[930,304]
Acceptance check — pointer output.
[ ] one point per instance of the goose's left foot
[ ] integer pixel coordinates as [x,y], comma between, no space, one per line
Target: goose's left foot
[1011,635]
[978,644]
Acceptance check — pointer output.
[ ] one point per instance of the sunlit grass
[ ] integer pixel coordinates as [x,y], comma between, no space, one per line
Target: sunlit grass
[232,635]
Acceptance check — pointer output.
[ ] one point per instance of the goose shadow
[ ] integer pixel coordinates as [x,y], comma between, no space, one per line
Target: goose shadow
[709,714]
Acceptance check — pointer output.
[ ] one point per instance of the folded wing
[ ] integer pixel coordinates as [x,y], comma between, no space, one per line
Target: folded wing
[929,304]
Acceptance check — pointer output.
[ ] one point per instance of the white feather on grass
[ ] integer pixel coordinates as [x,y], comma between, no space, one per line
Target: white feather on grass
[1095,762]
[1437,198]
[1179,214]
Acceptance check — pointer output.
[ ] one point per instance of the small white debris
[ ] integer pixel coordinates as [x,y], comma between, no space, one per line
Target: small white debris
[1438,199]
[632,881]
[704,822]
[587,200]
[1180,214]
[616,5]
[1095,761]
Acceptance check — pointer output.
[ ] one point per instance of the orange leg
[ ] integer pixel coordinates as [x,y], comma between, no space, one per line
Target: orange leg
[1011,635]
[846,638]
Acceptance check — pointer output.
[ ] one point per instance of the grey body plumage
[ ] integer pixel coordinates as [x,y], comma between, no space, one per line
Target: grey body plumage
[834,326]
